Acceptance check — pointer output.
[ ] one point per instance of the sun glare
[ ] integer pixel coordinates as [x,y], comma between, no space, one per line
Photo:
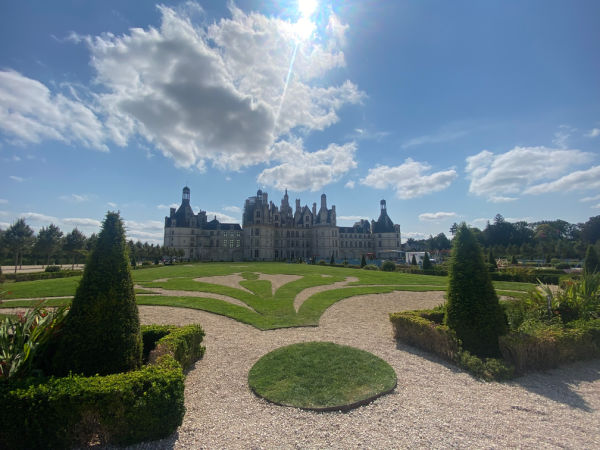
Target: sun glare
[307,7]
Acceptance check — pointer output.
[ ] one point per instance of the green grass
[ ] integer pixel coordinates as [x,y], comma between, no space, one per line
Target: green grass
[267,310]
[321,375]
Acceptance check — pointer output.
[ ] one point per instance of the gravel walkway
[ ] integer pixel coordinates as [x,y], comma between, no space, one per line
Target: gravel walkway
[434,405]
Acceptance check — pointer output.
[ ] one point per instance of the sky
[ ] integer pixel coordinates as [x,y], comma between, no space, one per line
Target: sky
[450,111]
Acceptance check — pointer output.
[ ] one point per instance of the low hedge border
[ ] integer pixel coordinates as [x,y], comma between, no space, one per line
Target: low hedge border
[121,409]
[551,347]
[424,329]
[33,276]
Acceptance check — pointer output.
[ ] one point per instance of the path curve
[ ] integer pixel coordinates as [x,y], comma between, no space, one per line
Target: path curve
[305,294]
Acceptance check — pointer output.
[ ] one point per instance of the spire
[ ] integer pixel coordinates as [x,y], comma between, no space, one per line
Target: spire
[186,195]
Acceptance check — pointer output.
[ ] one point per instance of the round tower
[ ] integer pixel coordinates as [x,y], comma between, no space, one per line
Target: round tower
[186,194]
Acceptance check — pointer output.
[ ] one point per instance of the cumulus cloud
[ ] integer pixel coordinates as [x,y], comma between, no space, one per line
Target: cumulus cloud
[410,179]
[167,207]
[502,176]
[30,112]
[216,94]
[594,132]
[82,222]
[210,215]
[233,209]
[437,216]
[301,170]
[37,217]
[3,201]
[579,180]
[590,199]
[417,235]
[350,220]
[349,184]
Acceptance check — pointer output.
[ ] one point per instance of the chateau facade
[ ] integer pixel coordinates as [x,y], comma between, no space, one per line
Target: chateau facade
[272,233]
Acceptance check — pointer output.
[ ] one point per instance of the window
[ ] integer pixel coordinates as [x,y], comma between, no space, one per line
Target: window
[256,253]
[225,243]
[231,244]
[237,243]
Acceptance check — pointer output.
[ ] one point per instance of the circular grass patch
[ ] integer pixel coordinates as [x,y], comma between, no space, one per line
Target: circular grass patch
[321,376]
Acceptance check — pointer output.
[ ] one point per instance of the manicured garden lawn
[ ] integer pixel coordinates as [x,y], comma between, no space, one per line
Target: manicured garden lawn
[320,375]
[266,310]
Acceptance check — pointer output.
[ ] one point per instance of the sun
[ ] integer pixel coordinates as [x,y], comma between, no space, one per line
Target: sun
[307,7]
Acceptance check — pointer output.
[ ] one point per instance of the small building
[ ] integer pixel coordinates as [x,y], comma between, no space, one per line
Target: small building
[419,256]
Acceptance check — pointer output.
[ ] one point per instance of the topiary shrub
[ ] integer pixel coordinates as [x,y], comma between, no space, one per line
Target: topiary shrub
[101,334]
[52,269]
[363,261]
[388,266]
[427,266]
[473,310]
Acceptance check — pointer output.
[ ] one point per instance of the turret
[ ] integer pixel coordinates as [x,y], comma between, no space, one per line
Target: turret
[185,197]
[324,202]
[297,204]
[382,204]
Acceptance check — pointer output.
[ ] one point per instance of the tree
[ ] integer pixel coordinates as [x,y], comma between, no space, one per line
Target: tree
[363,261]
[473,310]
[427,266]
[591,263]
[413,261]
[332,260]
[101,334]
[590,231]
[453,228]
[48,241]
[74,244]
[18,239]
[492,260]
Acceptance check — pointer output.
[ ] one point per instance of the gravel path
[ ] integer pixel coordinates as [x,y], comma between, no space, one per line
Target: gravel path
[435,404]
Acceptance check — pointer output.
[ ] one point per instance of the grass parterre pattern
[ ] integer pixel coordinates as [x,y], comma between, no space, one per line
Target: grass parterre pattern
[253,300]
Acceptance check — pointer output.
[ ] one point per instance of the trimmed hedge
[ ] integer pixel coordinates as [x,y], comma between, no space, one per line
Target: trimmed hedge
[424,329]
[419,329]
[33,276]
[550,347]
[545,278]
[121,409]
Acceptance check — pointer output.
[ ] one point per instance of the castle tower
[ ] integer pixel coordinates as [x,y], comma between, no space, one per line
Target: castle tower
[185,197]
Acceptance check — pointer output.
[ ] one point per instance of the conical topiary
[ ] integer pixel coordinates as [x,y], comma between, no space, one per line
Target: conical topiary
[363,261]
[591,264]
[473,310]
[101,334]
[427,263]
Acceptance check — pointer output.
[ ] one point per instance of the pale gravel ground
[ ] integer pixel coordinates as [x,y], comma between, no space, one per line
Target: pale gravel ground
[435,404]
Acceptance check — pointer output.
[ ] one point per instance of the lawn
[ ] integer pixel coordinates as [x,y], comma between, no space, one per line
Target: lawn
[265,309]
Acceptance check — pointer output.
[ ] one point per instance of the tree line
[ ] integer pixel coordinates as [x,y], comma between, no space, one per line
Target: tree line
[19,245]
[547,240]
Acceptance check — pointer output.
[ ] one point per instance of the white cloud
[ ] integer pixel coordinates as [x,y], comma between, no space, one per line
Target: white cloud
[590,199]
[504,175]
[349,184]
[111,204]
[301,170]
[167,207]
[233,209]
[562,136]
[3,201]
[440,137]
[416,235]
[580,180]
[215,94]
[75,198]
[501,199]
[29,112]
[594,132]
[437,216]
[16,178]
[224,218]
[350,220]
[409,179]
[81,222]
[37,217]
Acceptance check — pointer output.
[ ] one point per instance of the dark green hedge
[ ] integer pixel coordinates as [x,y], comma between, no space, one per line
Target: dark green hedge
[545,278]
[121,409]
[550,347]
[32,276]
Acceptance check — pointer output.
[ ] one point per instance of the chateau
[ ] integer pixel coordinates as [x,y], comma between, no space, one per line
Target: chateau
[272,233]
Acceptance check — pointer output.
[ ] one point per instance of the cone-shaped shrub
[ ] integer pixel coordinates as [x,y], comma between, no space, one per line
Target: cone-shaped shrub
[473,311]
[427,263]
[363,261]
[101,334]
[591,263]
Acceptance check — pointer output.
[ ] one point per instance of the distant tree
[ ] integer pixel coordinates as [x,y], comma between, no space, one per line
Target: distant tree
[18,239]
[73,245]
[453,228]
[48,242]
[492,260]
[332,260]
[413,261]
[514,260]
[473,310]
[90,242]
[427,266]
[591,263]
[590,231]
[363,261]
[101,333]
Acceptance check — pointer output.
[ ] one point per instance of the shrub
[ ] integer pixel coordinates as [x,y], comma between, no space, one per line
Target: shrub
[33,276]
[427,266]
[388,266]
[473,310]
[52,269]
[371,267]
[119,409]
[363,261]
[591,263]
[25,337]
[321,262]
[562,266]
[102,330]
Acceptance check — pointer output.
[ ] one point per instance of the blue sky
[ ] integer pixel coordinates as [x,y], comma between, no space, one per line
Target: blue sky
[451,111]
